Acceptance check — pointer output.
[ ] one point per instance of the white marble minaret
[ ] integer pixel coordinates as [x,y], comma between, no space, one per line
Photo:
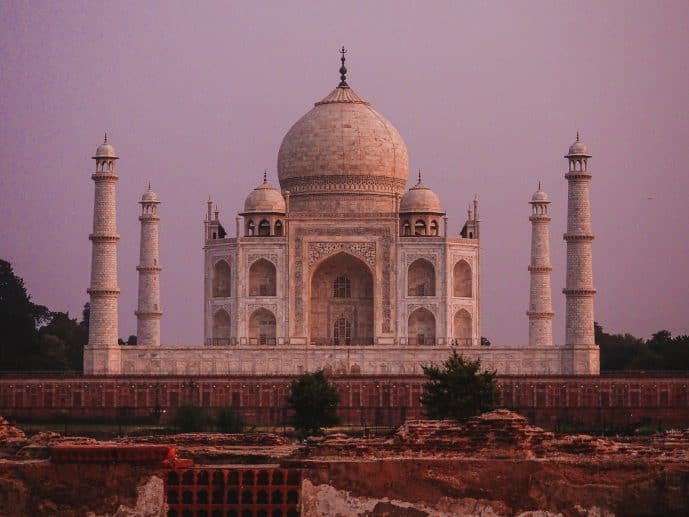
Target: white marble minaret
[102,354]
[579,289]
[148,313]
[540,311]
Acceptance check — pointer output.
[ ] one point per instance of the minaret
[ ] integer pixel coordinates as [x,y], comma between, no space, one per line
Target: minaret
[102,354]
[148,312]
[540,311]
[579,289]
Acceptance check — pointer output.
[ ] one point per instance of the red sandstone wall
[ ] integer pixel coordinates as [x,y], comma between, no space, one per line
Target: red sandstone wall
[370,401]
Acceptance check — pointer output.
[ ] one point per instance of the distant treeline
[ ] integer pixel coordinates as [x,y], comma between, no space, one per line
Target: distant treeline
[34,338]
[627,352]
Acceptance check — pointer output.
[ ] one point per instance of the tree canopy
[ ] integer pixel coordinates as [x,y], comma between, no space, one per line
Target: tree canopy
[458,389]
[627,352]
[35,338]
[313,399]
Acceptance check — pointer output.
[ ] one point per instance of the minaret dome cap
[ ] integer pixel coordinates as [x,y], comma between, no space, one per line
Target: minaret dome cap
[578,148]
[540,197]
[105,150]
[149,196]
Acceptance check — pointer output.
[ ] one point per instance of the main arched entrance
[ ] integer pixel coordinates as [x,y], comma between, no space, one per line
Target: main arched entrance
[342,302]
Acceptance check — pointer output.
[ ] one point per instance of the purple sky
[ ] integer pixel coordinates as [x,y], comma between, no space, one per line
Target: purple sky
[488,96]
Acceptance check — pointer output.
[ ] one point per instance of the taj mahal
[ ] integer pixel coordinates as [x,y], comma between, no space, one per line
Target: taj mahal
[342,267]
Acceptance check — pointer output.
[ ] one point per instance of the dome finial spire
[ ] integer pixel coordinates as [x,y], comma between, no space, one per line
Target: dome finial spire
[265,175]
[577,135]
[343,69]
[539,184]
[105,138]
[419,175]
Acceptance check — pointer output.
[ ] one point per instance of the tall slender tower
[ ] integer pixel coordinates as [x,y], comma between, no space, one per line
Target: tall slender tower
[102,355]
[148,313]
[540,311]
[579,289]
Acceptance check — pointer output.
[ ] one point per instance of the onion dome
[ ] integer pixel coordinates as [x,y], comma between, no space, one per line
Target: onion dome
[578,148]
[105,150]
[149,196]
[342,146]
[264,199]
[420,199]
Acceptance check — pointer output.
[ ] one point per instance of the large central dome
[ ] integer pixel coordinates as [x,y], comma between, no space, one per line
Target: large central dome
[343,156]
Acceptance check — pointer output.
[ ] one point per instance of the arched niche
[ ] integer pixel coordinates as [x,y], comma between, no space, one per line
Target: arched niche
[262,278]
[262,327]
[341,287]
[221,327]
[461,280]
[421,278]
[421,327]
[222,280]
[462,327]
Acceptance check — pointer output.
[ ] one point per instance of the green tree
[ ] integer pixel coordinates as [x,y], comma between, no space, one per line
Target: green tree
[19,321]
[458,389]
[314,401]
[190,419]
[230,421]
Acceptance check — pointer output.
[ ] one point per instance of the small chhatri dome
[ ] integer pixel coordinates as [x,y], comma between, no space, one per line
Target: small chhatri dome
[105,150]
[578,148]
[264,199]
[149,196]
[420,199]
[540,196]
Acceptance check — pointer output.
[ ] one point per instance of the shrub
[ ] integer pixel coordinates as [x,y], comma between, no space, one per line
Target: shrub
[229,421]
[189,419]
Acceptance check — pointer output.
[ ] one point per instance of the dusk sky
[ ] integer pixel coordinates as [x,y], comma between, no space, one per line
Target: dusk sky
[196,97]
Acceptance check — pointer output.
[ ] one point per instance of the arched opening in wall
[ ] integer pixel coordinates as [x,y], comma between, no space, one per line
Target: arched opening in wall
[435,229]
[264,228]
[221,328]
[278,228]
[421,327]
[462,327]
[342,333]
[421,278]
[250,229]
[262,278]
[419,228]
[222,280]
[461,280]
[341,287]
[406,229]
[262,327]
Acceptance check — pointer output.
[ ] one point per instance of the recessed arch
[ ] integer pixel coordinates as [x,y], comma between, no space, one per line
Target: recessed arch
[462,327]
[262,278]
[421,327]
[421,278]
[341,287]
[262,327]
[461,280]
[435,228]
[420,228]
[221,327]
[264,228]
[222,280]
[278,228]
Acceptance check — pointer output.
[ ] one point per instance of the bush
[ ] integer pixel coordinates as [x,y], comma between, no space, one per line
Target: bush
[190,419]
[459,389]
[314,402]
[229,421]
